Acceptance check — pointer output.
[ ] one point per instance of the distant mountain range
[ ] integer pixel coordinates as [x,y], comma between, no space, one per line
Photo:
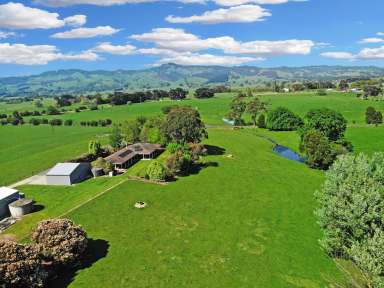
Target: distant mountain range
[170,76]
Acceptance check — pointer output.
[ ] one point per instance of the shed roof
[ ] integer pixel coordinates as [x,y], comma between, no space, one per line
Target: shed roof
[5,192]
[63,169]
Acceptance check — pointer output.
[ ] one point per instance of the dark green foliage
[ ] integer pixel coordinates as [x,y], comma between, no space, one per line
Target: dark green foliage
[178,94]
[372,91]
[94,148]
[373,117]
[331,123]
[103,164]
[261,121]
[204,93]
[115,138]
[321,92]
[183,125]
[56,122]
[282,119]
[68,122]
[51,110]
[130,131]
[318,150]
[351,212]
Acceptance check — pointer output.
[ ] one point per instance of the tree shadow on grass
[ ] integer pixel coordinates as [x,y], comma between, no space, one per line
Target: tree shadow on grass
[97,249]
[214,150]
[38,208]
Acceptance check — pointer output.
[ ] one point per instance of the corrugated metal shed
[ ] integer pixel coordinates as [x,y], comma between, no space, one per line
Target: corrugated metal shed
[63,169]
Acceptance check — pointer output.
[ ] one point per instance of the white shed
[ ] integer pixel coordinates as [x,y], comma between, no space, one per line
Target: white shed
[68,173]
[7,196]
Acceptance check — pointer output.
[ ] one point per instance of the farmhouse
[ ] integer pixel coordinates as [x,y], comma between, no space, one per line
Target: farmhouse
[68,173]
[129,155]
[7,196]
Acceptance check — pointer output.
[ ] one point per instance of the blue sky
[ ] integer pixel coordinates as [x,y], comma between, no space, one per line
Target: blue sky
[43,35]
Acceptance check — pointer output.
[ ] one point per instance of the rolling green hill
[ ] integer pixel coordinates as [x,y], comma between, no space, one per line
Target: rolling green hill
[170,75]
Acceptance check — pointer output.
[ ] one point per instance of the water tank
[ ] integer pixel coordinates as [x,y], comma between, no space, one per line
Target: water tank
[21,207]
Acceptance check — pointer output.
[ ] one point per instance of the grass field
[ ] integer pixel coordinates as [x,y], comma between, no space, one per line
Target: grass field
[246,223]
[241,222]
[26,150]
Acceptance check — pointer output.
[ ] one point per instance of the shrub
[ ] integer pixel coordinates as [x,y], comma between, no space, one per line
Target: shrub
[261,121]
[68,122]
[20,266]
[204,93]
[179,163]
[351,211]
[321,92]
[318,150]
[196,151]
[331,123]
[103,164]
[62,240]
[282,119]
[94,148]
[373,117]
[156,171]
[56,122]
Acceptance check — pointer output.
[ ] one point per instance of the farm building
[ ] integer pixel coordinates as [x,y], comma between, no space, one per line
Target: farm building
[131,154]
[7,196]
[68,173]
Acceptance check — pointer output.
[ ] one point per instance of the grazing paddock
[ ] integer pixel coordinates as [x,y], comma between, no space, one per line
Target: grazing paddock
[246,222]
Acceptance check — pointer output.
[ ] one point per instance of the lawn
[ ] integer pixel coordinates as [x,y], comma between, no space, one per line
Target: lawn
[27,150]
[245,221]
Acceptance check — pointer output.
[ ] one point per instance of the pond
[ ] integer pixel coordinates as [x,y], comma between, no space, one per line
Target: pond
[288,153]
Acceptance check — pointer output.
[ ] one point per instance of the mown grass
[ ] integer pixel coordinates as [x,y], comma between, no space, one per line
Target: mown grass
[27,150]
[246,222]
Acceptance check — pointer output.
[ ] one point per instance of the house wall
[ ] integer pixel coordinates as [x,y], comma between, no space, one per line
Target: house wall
[4,210]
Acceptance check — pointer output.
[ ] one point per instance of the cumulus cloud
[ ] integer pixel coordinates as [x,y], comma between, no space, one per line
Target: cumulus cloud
[237,14]
[38,54]
[76,20]
[86,32]
[107,47]
[241,2]
[179,40]
[18,16]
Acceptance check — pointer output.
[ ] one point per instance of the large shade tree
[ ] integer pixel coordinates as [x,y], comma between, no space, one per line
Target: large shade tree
[183,125]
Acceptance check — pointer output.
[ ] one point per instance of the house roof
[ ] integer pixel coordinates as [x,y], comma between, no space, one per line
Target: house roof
[5,192]
[63,169]
[129,152]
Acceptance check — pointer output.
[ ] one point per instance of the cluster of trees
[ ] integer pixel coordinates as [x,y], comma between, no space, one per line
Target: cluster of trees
[322,137]
[179,126]
[57,245]
[255,108]
[282,119]
[373,117]
[96,123]
[351,213]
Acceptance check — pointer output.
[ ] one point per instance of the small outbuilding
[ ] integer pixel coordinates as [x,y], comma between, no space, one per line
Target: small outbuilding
[7,196]
[66,174]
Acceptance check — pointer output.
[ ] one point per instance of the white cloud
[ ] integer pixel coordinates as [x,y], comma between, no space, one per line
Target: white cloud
[76,20]
[18,16]
[364,54]
[179,40]
[372,53]
[238,14]
[338,55]
[4,35]
[86,32]
[207,59]
[38,54]
[372,40]
[107,47]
